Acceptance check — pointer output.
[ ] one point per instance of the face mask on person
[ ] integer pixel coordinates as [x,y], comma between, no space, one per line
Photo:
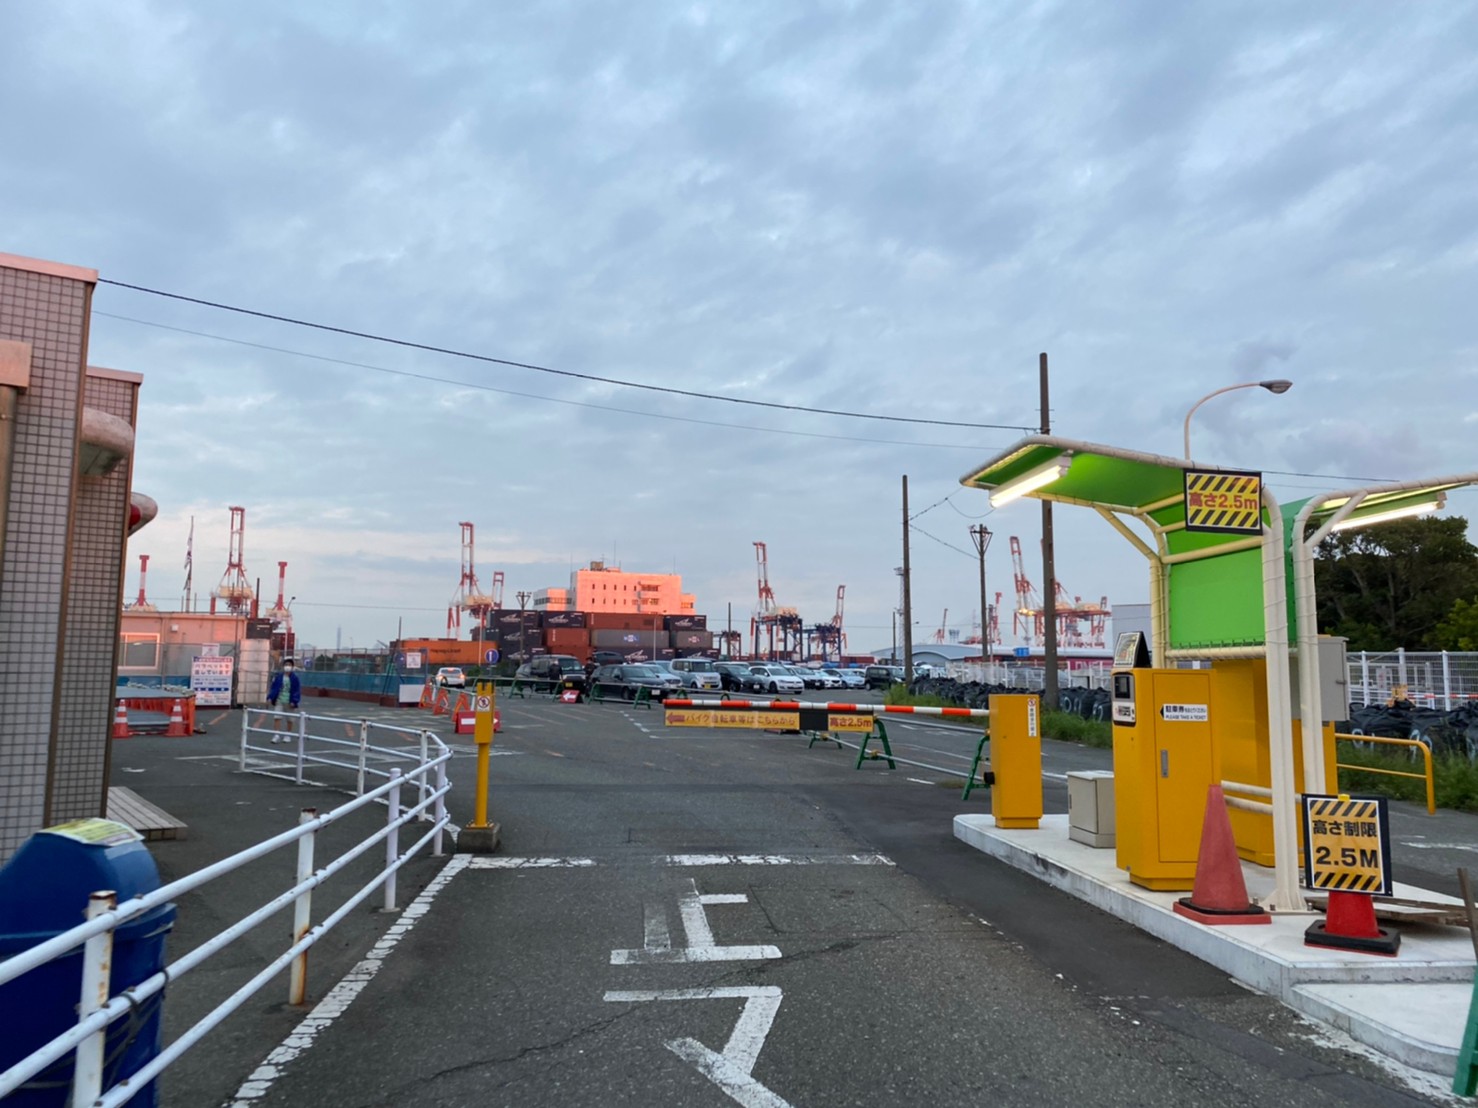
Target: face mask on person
[288,668]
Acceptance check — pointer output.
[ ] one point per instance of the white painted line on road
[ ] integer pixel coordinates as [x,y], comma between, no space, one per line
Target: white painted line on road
[337,1002]
[776,860]
[658,949]
[493,862]
[1441,846]
[918,781]
[731,1070]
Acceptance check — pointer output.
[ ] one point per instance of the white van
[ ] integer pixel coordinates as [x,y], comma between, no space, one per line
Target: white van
[696,673]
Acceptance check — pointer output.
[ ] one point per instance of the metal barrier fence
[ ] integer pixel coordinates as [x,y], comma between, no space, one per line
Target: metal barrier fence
[427,756]
[1442,679]
[1413,745]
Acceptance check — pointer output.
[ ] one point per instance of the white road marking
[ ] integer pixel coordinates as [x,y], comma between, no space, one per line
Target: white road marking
[337,1002]
[920,781]
[495,862]
[701,945]
[1440,846]
[731,1070]
[775,860]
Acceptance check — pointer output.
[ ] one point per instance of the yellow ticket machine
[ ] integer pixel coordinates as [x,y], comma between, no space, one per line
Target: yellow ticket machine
[1164,760]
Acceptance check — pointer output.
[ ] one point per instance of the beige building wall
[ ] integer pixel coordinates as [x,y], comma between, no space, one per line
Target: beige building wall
[61,567]
[599,589]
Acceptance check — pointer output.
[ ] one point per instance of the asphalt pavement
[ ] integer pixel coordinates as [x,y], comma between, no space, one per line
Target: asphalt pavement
[704,917]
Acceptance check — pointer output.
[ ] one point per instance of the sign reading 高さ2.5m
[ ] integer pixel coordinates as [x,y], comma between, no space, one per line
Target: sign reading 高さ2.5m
[1223,502]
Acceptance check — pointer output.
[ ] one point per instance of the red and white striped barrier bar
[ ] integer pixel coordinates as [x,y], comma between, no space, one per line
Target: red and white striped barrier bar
[794,705]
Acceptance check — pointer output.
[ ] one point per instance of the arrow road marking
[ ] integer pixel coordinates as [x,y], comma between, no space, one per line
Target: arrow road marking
[730,1069]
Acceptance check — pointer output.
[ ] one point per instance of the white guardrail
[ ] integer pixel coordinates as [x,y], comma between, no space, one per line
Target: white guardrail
[419,761]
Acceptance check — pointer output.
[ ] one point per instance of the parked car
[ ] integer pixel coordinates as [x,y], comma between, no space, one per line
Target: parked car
[559,670]
[731,675]
[850,678]
[882,677]
[813,678]
[626,678]
[696,673]
[826,678]
[450,677]
[608,657]
[774,678]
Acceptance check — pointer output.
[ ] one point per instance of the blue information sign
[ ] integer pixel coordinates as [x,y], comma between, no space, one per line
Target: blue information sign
[491,656]
[1023,652]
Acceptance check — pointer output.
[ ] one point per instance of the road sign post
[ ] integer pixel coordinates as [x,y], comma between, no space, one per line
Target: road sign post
[1347,853]
[481,836]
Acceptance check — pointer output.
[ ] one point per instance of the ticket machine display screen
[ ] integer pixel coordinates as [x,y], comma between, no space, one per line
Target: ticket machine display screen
[1123,699]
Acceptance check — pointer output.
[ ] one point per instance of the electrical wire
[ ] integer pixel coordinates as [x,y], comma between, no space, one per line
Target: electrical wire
[535,396]
[490,360]
[972,555]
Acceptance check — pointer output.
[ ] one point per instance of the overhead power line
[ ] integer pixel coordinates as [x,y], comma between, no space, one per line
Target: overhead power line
[432,378]
[595,378]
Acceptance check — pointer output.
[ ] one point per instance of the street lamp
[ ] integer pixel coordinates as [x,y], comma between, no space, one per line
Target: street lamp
[982,536]
[1279,386]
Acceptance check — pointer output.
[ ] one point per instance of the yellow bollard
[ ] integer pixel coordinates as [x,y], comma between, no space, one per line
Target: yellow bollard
[1016,759]
[480,836]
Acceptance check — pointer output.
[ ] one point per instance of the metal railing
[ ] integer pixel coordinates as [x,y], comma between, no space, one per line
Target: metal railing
[97,1010]
[1438,679]
[1426,753]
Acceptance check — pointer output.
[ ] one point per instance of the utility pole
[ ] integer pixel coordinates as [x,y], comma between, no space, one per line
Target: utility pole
[907,596]
[1049,575]
[982,535]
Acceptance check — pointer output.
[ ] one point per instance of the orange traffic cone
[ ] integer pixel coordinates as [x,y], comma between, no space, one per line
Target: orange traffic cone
[120,722]
[464,703]
[1349,924]
[176,728]
[427,696]
[441,703]
[1220,893]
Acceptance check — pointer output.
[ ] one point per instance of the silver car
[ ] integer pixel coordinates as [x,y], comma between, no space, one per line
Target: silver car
[696,673]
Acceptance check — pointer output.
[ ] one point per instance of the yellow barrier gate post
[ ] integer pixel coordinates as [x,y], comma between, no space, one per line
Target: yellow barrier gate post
[480,836]
[1016,758]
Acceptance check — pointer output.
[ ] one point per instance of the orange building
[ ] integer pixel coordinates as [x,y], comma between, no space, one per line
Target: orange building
[602,589]
[552,600]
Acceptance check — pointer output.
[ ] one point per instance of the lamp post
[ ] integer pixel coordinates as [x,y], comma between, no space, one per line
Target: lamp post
[982,536]
[1279,386]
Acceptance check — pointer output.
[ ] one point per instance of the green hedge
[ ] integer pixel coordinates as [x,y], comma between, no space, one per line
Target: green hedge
[1455,778]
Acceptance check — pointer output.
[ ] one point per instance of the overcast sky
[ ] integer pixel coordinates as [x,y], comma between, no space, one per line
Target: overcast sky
[873,207]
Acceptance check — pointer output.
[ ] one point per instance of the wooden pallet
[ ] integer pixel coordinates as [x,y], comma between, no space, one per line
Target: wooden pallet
[150,821]
[1399,910]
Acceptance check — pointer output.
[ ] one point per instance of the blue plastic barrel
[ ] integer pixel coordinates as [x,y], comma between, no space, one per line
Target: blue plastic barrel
[44,891]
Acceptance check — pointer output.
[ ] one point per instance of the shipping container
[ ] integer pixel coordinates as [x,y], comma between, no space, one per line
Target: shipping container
[512,617]
[688,621]
[610,639]
[563,619]
[623,621]
[692,640]
[564,639]
[520,640]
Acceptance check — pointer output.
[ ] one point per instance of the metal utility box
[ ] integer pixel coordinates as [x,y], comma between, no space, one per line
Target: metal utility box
[1090,807]
[1334,679]
[1164,761]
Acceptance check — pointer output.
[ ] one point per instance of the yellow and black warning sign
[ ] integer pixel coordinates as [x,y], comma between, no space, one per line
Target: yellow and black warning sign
[1347,844]
[1223,502]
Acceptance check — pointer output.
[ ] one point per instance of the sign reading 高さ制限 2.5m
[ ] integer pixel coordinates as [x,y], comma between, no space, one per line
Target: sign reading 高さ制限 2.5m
[1223,502]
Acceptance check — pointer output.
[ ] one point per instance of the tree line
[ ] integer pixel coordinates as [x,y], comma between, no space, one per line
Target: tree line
[1408,583]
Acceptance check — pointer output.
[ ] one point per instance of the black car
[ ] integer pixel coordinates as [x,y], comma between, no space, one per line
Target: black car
[607,658]
[883,677]
[624,680]
[562,671]
[731,675]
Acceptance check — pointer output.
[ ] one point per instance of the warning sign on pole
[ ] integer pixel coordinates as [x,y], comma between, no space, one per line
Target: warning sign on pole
[1223,503]
[1347,844]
